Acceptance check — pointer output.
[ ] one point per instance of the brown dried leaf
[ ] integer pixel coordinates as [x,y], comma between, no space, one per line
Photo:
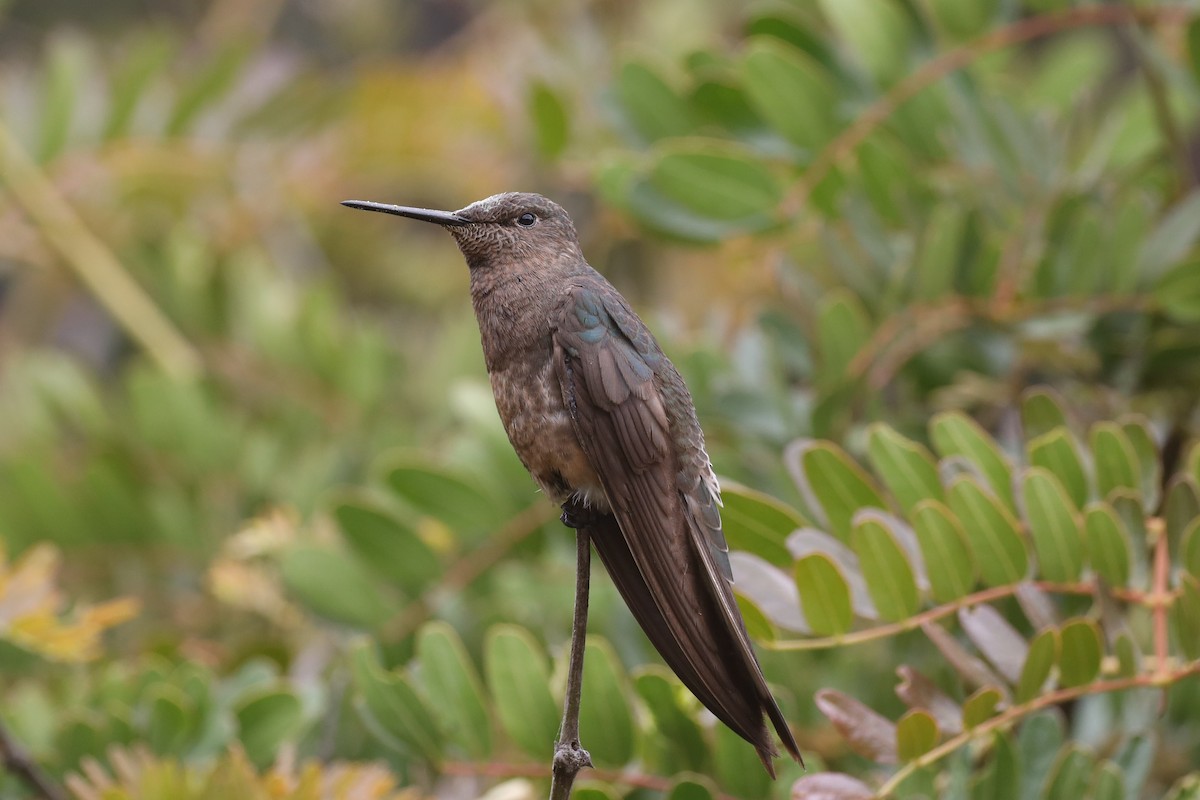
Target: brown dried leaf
[866,731]
[831,786]
[999,642]
[972,670]
[917,691]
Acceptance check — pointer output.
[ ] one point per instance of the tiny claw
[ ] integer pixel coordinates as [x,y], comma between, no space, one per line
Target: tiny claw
[576,515]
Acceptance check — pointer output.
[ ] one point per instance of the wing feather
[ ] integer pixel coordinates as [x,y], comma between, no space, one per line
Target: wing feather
[671,561]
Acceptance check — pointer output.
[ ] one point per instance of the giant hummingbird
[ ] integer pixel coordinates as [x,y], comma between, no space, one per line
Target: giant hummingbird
[605,425]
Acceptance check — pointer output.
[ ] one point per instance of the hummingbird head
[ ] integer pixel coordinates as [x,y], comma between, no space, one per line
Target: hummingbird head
[509,229]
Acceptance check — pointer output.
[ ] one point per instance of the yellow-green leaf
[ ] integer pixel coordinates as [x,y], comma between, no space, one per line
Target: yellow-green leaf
[1107,544]
[916,734]
[944,549]
[520,686]
[758,523]
[1043,652]
[1056,452]
[888,574]
[956,434]
[981,706]
[1000,552]
[1079,652]
[792,93]
[1053,526]
[824,595]
[906,468]
[1115,460]
[834,483]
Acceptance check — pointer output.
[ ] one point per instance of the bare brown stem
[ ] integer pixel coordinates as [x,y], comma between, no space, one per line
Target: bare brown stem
[569,755]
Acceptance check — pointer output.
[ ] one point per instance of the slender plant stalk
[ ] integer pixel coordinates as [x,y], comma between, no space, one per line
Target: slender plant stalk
[1024,30]
[569,755]
[945,610]
[620,777]
[1015,713]
[93,262]
[16,759]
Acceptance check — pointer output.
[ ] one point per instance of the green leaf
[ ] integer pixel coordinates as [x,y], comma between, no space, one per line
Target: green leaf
[1041,412]
[447,497]
[141,63]
[520,686]
[605,721]
[887,571]
[1181,509]
[939,251]
[877,31]
[944,549]
[824,595]
[1053,526]
[662,694]
[68,67]
[791,92]
[266,721]
[1189,551]
[1072,774]
[737,766]
[916,734]
[758,523]
[693,787]
[392,709]
[964,20]
[843,329]
[1000,552]
[651,108]
[1146,450]
[906,468]
[981,706]
[1038,743]
[206,86]
[551,123]
[1109,783]
[382,542]
[1043,653]
[1115,460]
[333,586]
[955,434]
[1186,615]
[999,780]
[717,180]
[1080,652]
[1171,240]
[1057,452]
[1107,544]
[168,724]
[594,790]
[1178,293]
[454,688]
[1193,48]
[834,483]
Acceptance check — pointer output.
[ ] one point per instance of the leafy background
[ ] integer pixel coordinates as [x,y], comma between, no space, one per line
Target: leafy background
[930,268]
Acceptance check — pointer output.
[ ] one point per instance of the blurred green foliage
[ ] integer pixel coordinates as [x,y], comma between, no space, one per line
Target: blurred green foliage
[870,234]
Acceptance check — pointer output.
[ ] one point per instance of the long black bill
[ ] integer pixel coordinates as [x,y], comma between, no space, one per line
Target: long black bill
[425,214]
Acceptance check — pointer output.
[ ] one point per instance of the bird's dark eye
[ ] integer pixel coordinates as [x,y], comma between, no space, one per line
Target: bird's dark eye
[526,220]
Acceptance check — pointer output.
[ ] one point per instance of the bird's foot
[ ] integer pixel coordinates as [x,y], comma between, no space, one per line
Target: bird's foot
[576,515]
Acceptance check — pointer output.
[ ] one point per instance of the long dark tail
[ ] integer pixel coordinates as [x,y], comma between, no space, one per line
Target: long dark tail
[725,685]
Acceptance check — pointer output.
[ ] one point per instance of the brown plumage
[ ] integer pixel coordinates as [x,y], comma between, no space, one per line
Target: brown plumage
[600,417]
